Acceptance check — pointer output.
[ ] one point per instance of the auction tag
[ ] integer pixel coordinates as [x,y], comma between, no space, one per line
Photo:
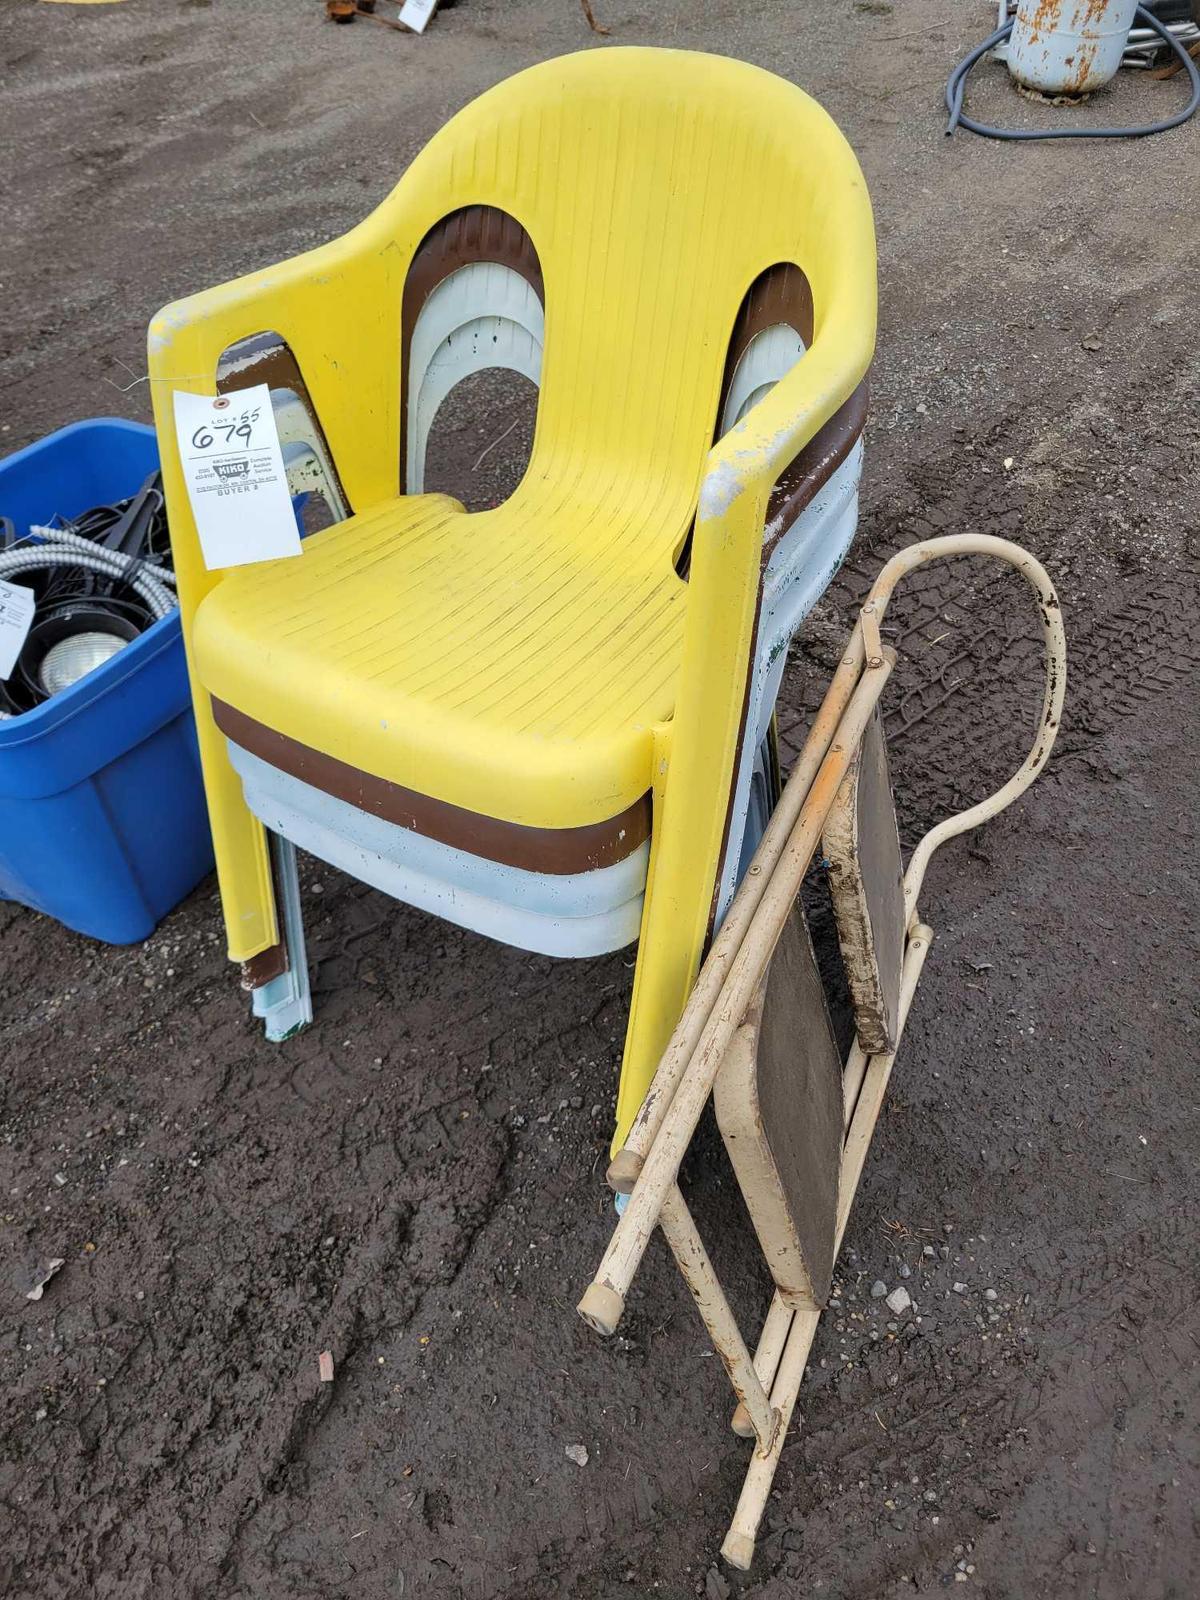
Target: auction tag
[235,477]
[17,605]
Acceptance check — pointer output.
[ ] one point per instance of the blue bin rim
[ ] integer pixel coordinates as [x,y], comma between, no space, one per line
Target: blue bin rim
[84,424]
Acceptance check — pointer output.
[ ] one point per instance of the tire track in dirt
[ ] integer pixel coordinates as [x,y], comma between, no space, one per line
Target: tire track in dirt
[1115,1366]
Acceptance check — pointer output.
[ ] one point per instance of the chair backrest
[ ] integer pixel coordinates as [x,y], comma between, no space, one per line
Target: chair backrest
[655,187]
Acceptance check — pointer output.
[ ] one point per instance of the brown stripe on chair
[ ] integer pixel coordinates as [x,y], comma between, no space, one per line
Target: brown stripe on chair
[780,294]
[813,467]
[553,850]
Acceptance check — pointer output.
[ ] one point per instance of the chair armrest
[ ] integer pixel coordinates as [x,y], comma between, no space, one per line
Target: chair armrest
[786,428]
[752,457]
[338,309]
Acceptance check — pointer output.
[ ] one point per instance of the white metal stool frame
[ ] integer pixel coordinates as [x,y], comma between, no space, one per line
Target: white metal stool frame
[647,1167]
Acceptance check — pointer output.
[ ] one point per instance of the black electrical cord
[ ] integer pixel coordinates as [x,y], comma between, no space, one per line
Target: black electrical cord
[956,87]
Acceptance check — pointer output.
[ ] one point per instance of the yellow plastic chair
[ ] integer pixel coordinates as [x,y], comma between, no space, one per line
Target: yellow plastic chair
[550,720]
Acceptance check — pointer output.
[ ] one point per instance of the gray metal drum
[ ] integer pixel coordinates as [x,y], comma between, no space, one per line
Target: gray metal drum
[1068,46]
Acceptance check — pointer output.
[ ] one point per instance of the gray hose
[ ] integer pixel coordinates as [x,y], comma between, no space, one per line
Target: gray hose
[956,87]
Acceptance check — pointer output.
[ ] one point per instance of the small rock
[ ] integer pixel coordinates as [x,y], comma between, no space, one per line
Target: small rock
[715,1585]
[990,1294]
[1092,342]
[42,1278]
[899,1301]
[928,1251]
[578,1454]
[905,1270]
[878,1289]
[960,1288]
[60,1179]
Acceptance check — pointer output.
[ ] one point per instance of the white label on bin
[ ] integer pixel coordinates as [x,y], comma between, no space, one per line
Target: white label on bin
[233,467]
[17,605]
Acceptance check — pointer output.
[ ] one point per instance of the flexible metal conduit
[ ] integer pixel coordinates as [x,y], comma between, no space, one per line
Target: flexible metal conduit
[68,550]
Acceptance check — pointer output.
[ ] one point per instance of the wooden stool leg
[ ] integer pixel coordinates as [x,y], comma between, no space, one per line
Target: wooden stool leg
[766,1357]
[688,1249]
[852,1080]
[738,1548]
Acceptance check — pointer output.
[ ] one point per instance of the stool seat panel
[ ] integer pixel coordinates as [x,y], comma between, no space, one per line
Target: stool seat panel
[778,1100]
[505,662]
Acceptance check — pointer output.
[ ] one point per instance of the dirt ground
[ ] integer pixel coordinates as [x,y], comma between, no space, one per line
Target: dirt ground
[415,1183]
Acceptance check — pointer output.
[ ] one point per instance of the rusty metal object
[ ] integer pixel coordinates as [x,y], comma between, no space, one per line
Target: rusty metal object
[348,10]
[1177,66]
[862,845]
[590,17]
[1074,80]
[1068,47]
[372,15]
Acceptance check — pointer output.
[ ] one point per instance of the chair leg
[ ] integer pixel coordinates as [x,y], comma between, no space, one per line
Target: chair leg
[760,802]
[285,1003]
[675,922]
[670,947]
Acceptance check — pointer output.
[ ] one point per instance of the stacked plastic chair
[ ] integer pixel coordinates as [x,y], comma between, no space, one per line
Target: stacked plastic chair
[550,721]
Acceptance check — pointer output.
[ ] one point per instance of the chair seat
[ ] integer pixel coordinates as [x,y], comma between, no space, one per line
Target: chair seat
[510,662]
